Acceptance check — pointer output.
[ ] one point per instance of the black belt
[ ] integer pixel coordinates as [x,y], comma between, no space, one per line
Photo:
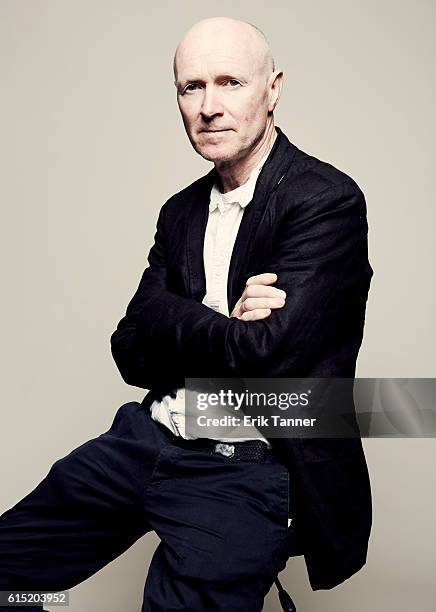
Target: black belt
[254,451]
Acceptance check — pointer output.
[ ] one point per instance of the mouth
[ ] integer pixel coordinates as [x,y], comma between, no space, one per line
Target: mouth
[214,131]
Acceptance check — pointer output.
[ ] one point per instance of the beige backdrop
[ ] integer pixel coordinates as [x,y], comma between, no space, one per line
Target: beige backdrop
[92,145]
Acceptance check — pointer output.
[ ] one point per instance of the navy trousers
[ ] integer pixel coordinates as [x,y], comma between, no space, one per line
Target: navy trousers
[222,522]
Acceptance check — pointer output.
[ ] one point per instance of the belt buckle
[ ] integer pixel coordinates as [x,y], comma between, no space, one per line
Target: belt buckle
[228,450]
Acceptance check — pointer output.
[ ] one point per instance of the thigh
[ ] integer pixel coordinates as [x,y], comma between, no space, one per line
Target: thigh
[223,526]
[84,513]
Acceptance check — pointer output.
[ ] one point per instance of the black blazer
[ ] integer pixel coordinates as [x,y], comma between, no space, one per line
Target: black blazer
[306,222]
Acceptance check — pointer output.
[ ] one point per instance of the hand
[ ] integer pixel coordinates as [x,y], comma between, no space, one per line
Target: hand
[259,298]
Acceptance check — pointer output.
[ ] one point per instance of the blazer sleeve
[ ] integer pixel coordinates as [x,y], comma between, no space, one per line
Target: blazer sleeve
[320,257]
[140,362]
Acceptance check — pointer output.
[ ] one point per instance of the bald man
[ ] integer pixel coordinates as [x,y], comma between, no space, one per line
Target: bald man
[258,268]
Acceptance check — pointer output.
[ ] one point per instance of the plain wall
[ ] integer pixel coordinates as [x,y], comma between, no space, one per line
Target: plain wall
[92,145]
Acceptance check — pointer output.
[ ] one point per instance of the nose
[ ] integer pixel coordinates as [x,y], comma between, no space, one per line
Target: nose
[211,105]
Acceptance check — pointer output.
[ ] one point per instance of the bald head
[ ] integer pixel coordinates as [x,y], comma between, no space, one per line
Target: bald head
[227,89]
[236,36]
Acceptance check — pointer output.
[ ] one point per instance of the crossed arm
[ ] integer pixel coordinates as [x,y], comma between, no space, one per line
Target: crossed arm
[319,259]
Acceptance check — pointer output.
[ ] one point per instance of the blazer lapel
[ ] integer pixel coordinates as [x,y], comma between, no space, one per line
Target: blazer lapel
[272,173]
[197,221]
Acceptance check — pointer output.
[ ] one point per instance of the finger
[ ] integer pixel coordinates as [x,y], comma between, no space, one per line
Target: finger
[255,315]
[263,291]
[261,302]
[267,278]
[238,307]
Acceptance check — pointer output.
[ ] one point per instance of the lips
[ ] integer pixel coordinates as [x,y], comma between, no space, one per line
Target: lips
[215,131]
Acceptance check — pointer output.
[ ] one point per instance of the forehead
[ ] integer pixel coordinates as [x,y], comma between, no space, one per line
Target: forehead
[200,56]
[211,66]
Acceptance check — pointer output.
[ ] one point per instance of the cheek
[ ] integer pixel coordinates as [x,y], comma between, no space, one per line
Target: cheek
[252,113]
[254,110]
[188,114]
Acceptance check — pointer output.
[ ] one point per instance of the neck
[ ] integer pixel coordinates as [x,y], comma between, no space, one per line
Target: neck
[232,174]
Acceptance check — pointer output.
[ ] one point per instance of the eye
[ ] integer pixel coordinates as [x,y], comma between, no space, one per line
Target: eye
[232,82]
[191,87]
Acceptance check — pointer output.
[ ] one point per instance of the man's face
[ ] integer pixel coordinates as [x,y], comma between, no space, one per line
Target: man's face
[223,95]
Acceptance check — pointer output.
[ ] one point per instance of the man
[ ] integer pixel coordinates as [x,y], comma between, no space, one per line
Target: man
[276,239]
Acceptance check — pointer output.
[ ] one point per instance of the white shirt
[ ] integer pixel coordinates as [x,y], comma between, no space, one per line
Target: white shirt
[225,215]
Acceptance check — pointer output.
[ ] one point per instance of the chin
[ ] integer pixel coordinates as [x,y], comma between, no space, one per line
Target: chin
[215,153]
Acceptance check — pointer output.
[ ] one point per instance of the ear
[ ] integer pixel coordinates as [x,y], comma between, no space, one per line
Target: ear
[275,84]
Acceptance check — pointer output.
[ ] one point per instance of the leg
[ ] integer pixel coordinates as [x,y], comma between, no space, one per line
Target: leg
[223,530]
[84,513]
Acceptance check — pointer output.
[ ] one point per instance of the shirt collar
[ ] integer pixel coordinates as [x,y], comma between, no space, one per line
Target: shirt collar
[242,195]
